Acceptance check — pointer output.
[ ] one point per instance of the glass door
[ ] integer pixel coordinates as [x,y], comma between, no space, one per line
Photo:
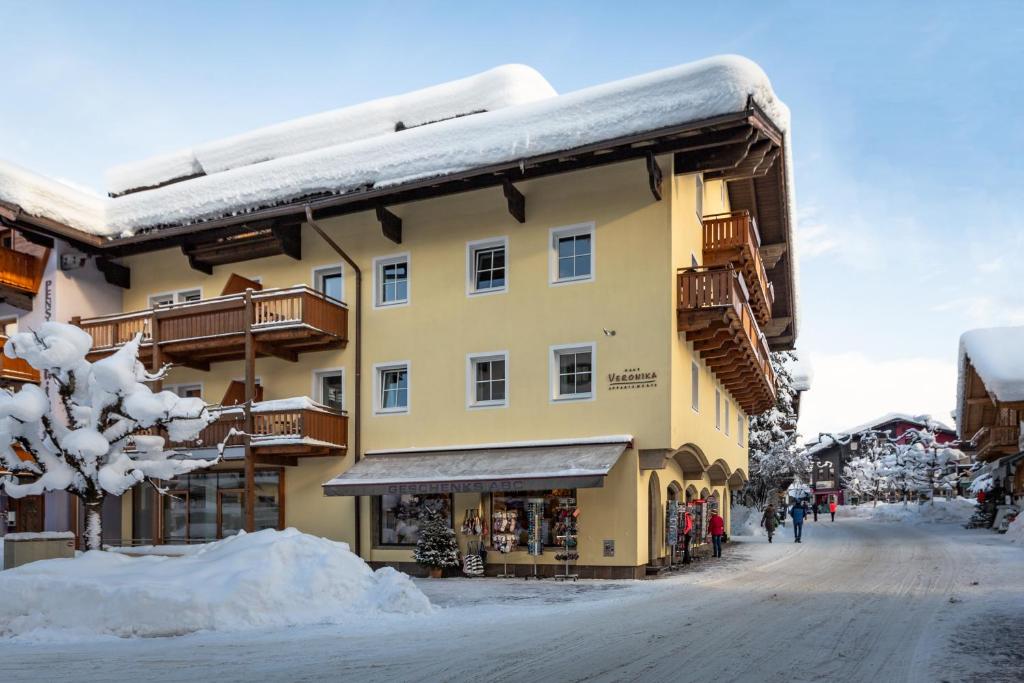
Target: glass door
[230,512]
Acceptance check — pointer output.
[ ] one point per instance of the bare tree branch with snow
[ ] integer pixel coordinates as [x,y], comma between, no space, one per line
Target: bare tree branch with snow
[95,429]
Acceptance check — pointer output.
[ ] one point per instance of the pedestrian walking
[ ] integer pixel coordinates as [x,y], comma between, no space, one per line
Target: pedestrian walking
[716,526]
[832,509]
[687,535]
[814,509]
[798,512]
[769,520]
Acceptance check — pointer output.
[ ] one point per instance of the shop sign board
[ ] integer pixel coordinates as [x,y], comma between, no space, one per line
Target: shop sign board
[824,484]
[632,378]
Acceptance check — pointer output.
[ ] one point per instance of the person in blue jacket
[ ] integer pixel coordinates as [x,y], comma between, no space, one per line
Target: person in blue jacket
[798,512]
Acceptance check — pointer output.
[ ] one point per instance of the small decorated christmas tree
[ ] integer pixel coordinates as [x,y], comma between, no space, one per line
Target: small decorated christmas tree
[437,547]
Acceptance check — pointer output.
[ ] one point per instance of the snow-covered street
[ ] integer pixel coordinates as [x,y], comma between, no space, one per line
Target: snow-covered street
[858,600]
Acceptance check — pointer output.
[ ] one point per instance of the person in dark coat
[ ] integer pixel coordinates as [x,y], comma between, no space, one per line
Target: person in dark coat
[769,520]
[798,512]
[814,509]
[716,527]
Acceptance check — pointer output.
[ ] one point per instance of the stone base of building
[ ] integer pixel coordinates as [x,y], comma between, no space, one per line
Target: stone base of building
[585,571]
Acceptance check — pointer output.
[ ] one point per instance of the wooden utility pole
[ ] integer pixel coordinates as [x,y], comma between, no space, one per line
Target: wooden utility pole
[250,394]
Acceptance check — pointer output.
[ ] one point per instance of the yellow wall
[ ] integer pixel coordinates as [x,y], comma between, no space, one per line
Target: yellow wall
[639,242]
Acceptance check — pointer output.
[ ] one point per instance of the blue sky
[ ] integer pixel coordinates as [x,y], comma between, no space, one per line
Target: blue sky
[907,131]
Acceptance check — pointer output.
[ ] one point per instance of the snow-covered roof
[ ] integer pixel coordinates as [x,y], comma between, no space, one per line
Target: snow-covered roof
[491,90]
[802,373]
[997,354]
[919,420]
[290,161]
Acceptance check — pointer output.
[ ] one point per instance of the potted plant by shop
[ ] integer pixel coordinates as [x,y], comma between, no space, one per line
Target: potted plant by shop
[437,547]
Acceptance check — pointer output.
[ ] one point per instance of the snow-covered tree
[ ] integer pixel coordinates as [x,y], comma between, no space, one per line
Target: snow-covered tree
[776,460]
[93,431]
[437,546]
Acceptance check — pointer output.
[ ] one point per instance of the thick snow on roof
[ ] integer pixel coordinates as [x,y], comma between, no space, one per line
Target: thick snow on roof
[802,373]
[919,420]
[38,195]
[497,88]
[674,96]
[997,353]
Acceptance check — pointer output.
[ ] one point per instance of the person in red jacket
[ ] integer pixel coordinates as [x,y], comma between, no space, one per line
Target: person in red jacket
[716,526]
[687,535]
[832,508]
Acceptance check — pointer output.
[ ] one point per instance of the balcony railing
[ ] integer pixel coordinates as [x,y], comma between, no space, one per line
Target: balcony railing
[295,427]
[283,321]
[997,440]
[732,238]
[16,369]
[715,314]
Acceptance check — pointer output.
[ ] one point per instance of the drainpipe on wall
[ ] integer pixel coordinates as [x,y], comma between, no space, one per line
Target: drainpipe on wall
[359,359]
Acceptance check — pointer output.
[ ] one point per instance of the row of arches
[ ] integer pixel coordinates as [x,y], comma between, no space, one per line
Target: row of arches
[706,478]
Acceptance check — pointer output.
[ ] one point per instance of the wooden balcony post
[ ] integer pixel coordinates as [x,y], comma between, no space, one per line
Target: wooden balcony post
[154,335]
[250,394]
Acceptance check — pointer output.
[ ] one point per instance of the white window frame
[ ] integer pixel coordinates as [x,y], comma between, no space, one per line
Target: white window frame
[180,385]
[553,379]
[728,418]
[718,409]
[554,234]
[471,249]
[176,295]
[378,371]
[471,360]
[317,392]
[319,271]
[694,387]
[378,264]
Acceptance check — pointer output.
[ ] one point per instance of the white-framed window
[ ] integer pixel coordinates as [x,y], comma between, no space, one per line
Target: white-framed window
[727,418]
[179,297]
[186,390]
[487,380]
[330,281]
[718,409]
[739,429]
[572,371]
[329,387]
[391,281]
[572,253]
[699,195]
[391,387]
[695,386]
[487,266]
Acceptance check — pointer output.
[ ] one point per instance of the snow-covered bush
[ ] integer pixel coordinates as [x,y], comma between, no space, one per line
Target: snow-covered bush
[93,430]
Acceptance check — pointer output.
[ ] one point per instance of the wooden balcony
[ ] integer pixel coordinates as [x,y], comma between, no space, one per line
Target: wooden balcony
[20,276]
[282,430]
[732,238]
[284,323]
[996,441]
[714,312]
[16,369]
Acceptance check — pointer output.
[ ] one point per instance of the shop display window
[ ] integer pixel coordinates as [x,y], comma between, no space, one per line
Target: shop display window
[517,500]
[206,506]
[399,517]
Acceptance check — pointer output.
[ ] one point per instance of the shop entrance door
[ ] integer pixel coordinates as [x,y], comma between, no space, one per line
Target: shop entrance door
[655,517]
[230,512]
[28,513]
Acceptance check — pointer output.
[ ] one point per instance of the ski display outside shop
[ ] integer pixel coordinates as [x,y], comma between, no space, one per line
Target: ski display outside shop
[565,534]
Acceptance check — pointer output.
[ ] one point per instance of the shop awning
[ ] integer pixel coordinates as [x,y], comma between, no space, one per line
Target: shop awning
[521,466]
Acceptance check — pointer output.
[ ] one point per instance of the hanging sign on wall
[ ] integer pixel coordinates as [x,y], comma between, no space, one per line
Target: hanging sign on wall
[632,378]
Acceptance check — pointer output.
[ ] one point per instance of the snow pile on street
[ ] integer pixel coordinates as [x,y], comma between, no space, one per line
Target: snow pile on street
[1015,532]
[491,90]
[265,579]
[746,521]
[955,511]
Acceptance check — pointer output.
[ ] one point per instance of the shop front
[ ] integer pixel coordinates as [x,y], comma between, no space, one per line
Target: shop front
[553,509]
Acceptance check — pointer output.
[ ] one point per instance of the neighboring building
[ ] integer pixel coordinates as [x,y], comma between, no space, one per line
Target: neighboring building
[990,403]
[480,298]
[829,456]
